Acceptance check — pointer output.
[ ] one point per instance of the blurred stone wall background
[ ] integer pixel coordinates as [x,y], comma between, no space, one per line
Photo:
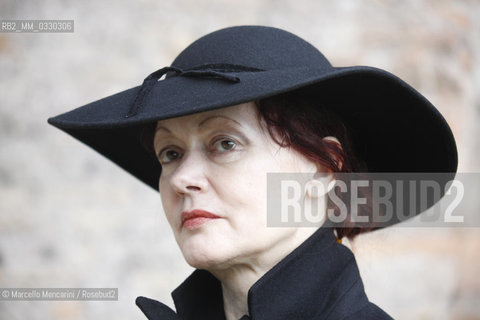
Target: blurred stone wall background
[68,218]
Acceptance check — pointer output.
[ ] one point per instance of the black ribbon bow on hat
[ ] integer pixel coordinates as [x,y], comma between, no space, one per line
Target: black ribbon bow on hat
[206,71]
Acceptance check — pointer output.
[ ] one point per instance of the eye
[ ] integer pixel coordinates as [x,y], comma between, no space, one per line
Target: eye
[221,145]
[224,144]
[168,155]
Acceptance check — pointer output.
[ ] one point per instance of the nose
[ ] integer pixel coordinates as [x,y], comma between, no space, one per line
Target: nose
[190,175]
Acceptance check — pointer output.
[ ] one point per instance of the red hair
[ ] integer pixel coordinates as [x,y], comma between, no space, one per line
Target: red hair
[296,119]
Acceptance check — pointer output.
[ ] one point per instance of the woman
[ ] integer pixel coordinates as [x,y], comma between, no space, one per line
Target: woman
[236,105]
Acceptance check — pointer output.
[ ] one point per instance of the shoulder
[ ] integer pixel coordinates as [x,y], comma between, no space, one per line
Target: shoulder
[370,311]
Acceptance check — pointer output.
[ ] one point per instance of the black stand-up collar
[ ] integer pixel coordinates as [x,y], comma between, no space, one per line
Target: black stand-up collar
[318,280]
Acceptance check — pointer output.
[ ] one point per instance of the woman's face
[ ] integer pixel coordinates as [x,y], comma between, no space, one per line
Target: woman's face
[217,161]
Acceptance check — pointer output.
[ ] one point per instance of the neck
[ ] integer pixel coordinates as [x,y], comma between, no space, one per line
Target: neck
[238,278]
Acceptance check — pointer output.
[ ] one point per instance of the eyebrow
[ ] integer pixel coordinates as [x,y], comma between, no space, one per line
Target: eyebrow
[203,122]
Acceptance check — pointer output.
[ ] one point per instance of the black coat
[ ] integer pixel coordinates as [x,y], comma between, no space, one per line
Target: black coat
[318,280]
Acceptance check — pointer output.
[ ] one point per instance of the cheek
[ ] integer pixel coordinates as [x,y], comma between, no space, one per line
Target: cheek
[167,198]
[248,197]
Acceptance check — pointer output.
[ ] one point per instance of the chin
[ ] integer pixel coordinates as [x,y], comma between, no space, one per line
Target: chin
[203,260]
[207,258]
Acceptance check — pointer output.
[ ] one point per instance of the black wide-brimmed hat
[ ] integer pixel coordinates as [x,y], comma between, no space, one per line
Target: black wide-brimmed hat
[394,128]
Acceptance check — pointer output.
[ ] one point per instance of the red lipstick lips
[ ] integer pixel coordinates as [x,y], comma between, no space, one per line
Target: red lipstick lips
[195,218]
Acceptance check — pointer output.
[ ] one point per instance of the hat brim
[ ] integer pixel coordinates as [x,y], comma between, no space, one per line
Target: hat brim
[394,128]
